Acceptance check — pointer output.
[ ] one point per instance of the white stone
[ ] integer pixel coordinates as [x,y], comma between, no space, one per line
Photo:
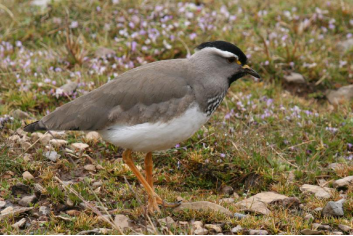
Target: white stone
[90,167]
[320,192]
[2,204]
[27,176]
[79,146]
[294,78]
[58,142]
[52,155]
[7,210]
[19,224]
[342,95]
[214,228]
[93,136]
[345,182]
[122,221]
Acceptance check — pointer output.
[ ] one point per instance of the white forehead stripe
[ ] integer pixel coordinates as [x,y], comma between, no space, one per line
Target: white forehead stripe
[221,52]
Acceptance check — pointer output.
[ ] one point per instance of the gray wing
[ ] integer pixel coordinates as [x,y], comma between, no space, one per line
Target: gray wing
[151,93]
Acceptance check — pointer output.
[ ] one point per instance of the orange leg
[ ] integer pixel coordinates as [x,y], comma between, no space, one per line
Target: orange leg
[152,203]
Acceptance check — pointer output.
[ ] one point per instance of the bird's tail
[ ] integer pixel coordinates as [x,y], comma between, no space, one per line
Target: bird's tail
[35,126]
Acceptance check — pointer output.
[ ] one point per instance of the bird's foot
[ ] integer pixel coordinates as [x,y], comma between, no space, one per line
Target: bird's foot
[152,205]
[155,201]
[168,204]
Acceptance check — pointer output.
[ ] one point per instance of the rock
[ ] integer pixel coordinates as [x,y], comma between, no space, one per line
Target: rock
[66,89]
[337,233]
[27,200]
[27,176]
[39,188]
[73,212]
[345,228]
[309,217]
[289,202]
[99,167]
[258,203]
[79,146]
[226,200]
[183,223]
[235,195]
[202,205]
[258,232]
[10,211]
[227,190]
[96,231]
[345,182]
[310,232]
[318,209]
[104,218]
[14,138]
[319,192]
[21,115]
[43,138]
[2,204]
[213,228]
[93,136]
[294,78]
[321,227]
[197,224]
[7,210]
[25,145]
[90,167]
[239,216]
[52,155]
[58,142]
[27,157]
[97,184]
[122,221]
[19,224]
[44,211]
[200,231]
[236,229]
[103,52]
[168,221]
[19,189]
[344,46]
[342,95]
[334,208]
[57,134]
[335,166]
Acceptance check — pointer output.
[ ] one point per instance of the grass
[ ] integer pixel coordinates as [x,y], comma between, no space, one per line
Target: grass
[259,134]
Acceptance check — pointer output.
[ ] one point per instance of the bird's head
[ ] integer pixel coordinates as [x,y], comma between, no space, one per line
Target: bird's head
[223,58]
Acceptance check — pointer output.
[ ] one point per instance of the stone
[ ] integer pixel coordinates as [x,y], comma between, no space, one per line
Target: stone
[7,210]
[240,216]
[295,78]
[58,142]
[336,166]
[289,202]
[27,176]
[52,155]
[345,45]
[334,208]
[27,200]
[39,188]
[168,221]
[258,203]
[202,205]
[21,115]
[345,228]
[57,134]
[337,233]
[93,136]
[341,95]
[99,167]
[321,227]
[227,200]
[95,231]
[310,232]
[66,90]
[25,145]
[200,231]
[197,224]
[2,204]
[345,182]
[236,229]
[19,224]
[213,228]
[97,184]
[318,209]
[103,52]
[43,138]
[122,221]
[73,212]
[227,190]
[309,217]
[10,211]
[44,211]
[19,189]
[27,157]
[79,146]
[320,192]
[258,232]
[90,167]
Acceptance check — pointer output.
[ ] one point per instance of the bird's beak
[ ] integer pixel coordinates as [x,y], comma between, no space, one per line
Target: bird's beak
[248,70]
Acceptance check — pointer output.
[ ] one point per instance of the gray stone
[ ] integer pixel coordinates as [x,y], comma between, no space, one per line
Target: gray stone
[27,200]
[18,114]
[321,227]
[44,211]
[345,182]
[2,204]
[19,224]
[240,216]
[227,190]
[342,95]
[334,208]
[310,232]
[10,211]
[52,155]
[345,228]
[309,217]
[66,89]
[213,228]
[200,231]
[168,221]
[122,221]
[236,229]
[337,233]
[202,205]
[226,200]
[258,232]
[318,209]
[319,192]
[294,78]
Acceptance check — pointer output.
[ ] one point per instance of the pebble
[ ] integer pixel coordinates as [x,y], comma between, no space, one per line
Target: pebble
[18,114]
[52,155]
[309,217]
[66,89]
[27,200]
[93,136]
[90,167]
[345,182]
[27,176]
[168,221]
[73,212]
[79,146]
[321,227]
[345,228]
[334,208]
[97,184]
[7,210]
[240,216]
[236,229]
[227,200]
[19,224]
[200,231]
[44,211]
[318,209]
[294,78]
[213,228]
[310,232]
[337,232]
[258,232]
[122,221]
[58,142]
[2,204]
[27,157]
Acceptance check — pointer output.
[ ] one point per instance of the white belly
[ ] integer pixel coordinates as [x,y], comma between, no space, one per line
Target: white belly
[149,137]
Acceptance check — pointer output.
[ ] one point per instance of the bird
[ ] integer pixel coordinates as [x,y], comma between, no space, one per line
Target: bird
[155,106]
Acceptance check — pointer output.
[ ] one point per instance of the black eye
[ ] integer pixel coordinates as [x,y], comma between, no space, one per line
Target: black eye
[231,59]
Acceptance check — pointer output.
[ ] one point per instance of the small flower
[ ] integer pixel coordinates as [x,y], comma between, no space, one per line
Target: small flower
[222,155]
[73,24]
